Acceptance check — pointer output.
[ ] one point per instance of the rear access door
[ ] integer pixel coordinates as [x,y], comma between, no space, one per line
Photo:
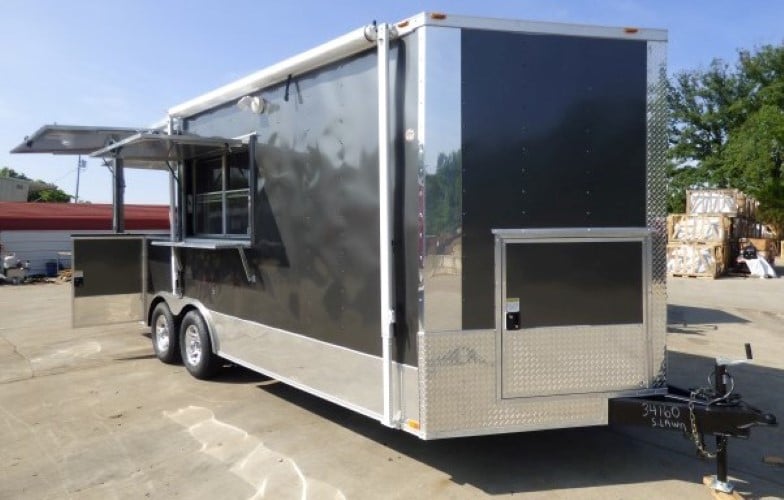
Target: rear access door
[572,311]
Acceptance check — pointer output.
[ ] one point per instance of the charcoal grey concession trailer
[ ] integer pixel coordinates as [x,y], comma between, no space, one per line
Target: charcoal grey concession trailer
[453,225]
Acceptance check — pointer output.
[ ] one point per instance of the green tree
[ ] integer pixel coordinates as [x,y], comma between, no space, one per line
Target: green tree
[40,191]
[755,156]
[727,130]
[10,172]
[48,193]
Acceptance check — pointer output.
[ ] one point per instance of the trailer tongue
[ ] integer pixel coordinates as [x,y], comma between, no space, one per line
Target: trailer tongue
[717,411]
[452,225]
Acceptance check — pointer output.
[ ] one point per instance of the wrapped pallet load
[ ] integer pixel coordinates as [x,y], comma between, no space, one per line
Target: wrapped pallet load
[698,228]
[717,225]
[699,260]
[698,244]
[731,202]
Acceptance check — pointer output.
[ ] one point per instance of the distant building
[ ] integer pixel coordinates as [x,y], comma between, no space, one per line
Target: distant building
[12,189]
[39,232]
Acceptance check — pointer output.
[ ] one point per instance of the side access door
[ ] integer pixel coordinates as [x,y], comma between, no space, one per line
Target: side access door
[572,306]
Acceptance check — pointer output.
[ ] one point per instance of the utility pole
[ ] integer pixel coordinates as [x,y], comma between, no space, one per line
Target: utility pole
[80,164]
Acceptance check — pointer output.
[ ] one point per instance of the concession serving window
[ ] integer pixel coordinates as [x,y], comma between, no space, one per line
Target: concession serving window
[216,178]
[216,181]
[218,196]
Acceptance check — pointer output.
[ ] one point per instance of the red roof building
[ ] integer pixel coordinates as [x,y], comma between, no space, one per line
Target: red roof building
[22,216]
[40,233]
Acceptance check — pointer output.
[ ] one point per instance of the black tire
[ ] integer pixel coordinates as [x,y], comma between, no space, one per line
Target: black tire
[164,334]
[196,347]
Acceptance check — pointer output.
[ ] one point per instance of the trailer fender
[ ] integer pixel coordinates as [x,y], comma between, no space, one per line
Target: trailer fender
[181,305]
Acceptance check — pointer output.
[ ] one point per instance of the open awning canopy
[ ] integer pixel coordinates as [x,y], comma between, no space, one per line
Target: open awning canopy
[139,148]
[154,150]
[72,139]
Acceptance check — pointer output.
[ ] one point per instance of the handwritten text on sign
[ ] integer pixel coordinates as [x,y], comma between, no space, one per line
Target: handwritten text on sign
[662,416]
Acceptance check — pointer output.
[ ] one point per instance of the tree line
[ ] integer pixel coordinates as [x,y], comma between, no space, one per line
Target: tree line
[726,130]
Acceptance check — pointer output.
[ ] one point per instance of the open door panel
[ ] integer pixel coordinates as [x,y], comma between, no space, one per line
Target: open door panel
[108,279]
[72,139]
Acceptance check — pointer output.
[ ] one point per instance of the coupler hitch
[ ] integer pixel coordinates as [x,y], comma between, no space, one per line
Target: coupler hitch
[717,411]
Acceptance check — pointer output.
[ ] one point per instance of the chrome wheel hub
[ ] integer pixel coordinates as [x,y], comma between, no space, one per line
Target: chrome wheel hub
[192,345]
[162,334]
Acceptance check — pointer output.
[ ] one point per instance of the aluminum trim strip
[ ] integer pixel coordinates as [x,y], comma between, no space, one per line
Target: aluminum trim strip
[203,244]
[599,233]
[421,138]
[656,209]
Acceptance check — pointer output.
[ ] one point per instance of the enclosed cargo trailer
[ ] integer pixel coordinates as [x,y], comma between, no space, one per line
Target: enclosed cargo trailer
[453,225]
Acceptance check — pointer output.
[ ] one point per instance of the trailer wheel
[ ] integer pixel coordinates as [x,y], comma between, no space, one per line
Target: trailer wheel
[165,338]
[196,348]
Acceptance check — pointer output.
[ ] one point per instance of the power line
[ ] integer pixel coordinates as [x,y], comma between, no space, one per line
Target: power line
[64,176]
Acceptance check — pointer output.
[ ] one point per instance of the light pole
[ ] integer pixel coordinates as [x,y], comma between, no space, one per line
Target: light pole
[80,164]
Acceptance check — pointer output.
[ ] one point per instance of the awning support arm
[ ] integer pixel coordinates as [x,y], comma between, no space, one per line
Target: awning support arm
[118,198]
[249,274]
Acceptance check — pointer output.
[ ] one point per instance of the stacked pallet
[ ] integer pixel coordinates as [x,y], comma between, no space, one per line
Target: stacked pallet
[729,202]
[699,241]
[698,245]
[717,225]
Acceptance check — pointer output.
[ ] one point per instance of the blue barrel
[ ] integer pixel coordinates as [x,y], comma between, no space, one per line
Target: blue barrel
[51,269]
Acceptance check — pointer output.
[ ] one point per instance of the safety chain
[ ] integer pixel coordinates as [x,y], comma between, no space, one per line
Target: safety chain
[696,436]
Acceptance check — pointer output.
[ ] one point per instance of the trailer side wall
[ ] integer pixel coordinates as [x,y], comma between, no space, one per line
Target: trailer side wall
[312,317]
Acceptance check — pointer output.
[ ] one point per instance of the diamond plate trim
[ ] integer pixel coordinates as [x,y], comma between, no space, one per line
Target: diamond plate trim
[458,377]
[573,360]
[656,210]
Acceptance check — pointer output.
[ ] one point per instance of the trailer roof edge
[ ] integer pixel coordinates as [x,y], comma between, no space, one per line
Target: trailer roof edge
[333,50]
[358,40]
[534,27]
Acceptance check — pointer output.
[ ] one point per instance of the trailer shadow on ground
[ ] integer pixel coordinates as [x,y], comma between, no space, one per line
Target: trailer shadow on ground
[582,457]
[692,320]
[235,374]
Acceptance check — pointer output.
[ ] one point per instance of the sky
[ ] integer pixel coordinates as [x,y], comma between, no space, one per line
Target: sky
[93,62]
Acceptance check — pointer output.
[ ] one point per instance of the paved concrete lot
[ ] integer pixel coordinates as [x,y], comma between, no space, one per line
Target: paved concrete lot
[90,413]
